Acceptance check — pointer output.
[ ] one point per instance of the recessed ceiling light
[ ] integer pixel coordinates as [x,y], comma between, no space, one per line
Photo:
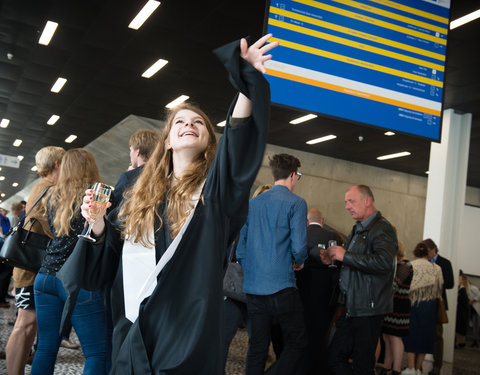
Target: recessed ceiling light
[465,19]
[177,101]
[303,119]
[4,123]
[17,142]
[389,134]
[71,138]
[3,194]
[34,168]
[321,139]
[52,120]
[20,157]
[222,123]
[15,184]
[47,33]
[58,85]
[154,68]
[427,172]
[392,156]
[2,178]
[142,16]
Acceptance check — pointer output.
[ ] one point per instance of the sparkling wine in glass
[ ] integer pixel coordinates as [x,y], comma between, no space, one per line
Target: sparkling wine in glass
[101,195]
[332,243]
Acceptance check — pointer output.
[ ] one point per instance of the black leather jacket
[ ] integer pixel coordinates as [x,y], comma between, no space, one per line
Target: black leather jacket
[370,265]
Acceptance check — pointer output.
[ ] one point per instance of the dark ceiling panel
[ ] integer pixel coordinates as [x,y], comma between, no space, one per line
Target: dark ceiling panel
[103,61]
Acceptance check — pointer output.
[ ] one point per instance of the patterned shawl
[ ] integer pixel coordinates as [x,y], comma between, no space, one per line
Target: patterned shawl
[427,281]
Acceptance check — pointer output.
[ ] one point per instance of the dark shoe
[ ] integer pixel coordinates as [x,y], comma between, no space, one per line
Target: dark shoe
[434,372]
[384,371]
[4,304]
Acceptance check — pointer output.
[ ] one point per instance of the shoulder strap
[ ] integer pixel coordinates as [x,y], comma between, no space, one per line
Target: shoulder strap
[31,208]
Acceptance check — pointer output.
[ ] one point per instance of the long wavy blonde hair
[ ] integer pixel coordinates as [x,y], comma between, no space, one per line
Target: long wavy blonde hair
[154,186]
[77,173]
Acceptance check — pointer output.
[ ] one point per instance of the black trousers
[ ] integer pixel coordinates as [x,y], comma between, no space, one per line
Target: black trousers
[286,307]
[355,338]
[5,276]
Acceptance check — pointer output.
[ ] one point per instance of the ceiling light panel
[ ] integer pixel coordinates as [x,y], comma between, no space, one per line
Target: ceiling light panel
[17,142]
[15,184]
[154,68]
[465,19]
[177,101]
[70,138]
[58,85]
[47,33]
[392,156]
[52,120]
[389,134]
[321,139]
[4,123]
[143,15]
[303,119]
[222,124]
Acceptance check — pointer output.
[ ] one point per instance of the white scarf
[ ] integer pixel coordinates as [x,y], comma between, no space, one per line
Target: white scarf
[139,269]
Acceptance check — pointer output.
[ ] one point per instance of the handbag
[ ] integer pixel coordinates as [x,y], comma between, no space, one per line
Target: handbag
[233,279]
[442,317]
[23,248]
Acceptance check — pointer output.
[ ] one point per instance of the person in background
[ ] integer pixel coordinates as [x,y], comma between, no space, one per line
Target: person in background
[22,213]
[425,289]
[463,305]
[365,284]
[78,172]
[142,144]
[15,212]
[396,324]
[316,283]
[448,283]
[272,245]
[474,300]
[235,312]
[47,161]
[5,269]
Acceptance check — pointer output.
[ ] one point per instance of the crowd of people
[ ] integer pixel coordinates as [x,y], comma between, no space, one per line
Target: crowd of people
[146,296]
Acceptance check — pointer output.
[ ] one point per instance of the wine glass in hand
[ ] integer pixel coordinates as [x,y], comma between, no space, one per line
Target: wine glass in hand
[101,195]
[330,244]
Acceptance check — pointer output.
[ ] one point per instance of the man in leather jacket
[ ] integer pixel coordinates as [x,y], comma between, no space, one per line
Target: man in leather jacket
[365,285]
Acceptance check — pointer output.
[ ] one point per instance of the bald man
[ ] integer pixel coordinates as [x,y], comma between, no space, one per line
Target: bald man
[315,283]
[365,284]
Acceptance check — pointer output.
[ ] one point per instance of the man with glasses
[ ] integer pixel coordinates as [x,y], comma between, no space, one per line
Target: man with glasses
[272,245]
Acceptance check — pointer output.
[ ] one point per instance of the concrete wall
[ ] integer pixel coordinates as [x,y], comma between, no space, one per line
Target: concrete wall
[399,196]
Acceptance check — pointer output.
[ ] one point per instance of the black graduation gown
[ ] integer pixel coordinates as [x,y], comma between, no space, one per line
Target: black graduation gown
[178,330]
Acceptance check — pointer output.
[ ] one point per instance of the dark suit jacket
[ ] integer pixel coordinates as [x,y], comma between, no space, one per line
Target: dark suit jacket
[447,272]
[318,235]
[125,181]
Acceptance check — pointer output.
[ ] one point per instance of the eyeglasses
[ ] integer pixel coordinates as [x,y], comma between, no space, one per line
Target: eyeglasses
[299,175]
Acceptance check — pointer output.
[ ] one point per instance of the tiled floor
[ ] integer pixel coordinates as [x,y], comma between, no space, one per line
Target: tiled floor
[70,362]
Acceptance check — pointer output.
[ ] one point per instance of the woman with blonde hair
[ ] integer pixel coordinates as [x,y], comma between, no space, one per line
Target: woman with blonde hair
[48,161]
[164,248]
[78,171]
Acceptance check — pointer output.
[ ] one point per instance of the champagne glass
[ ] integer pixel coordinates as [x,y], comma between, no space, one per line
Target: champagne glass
[332,243]
[101,195]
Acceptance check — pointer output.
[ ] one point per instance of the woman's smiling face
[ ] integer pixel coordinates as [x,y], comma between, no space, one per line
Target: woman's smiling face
[188,131]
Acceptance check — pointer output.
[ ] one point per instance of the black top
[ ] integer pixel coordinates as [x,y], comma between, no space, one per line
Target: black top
[60,248]
[125,181]
[178,330]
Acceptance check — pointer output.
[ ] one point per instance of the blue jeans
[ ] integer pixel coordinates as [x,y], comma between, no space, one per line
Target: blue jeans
[88,319]
[286,307]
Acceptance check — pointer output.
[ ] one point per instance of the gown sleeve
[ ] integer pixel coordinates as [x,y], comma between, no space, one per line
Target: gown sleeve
[240,150]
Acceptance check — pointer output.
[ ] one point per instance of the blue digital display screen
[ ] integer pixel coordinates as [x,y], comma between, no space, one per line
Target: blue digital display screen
[377,62]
